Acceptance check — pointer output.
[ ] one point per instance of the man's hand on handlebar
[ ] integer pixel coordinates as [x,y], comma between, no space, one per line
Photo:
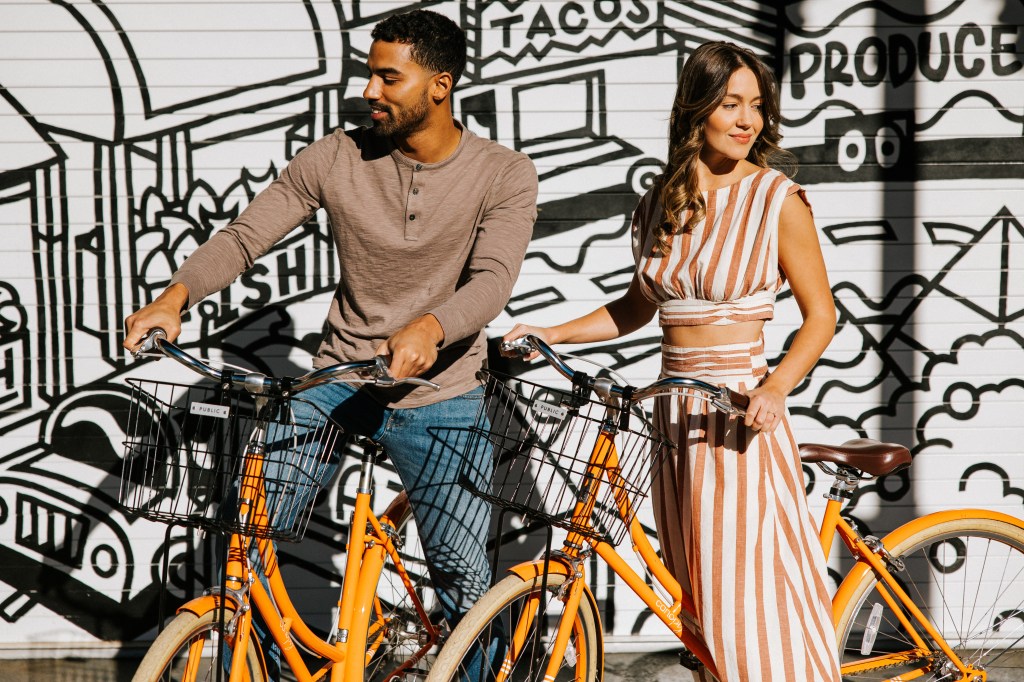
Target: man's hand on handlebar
[412,350]
[164,313]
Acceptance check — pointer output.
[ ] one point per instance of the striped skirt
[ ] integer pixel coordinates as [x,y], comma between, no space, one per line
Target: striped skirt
[735,529]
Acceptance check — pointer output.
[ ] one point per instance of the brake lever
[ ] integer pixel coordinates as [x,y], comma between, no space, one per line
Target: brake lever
[382,376]
[416,381]
[731,402]
[381,372]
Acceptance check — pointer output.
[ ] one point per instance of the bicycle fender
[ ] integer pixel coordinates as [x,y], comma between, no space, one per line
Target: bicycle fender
[900,535]
[535,569]
[207,602]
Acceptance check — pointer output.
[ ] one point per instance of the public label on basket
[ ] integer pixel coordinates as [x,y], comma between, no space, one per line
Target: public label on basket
[556,411]
[208,410]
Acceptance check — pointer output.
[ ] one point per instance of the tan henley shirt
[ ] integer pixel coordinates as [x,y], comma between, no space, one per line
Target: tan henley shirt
[412,238]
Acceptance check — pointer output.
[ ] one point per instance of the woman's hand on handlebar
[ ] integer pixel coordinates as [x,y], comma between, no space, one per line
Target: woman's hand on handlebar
[164,313]
[519,331]
[764,413]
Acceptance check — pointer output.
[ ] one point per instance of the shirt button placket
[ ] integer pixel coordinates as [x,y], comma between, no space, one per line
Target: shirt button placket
[412,226]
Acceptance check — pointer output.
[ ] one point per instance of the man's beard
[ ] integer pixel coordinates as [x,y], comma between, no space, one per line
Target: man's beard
[405,122]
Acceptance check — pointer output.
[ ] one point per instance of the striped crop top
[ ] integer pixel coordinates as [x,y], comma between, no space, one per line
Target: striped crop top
[726,269]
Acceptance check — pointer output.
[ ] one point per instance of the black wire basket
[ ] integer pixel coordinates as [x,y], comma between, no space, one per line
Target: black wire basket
[546,450]
[185,460]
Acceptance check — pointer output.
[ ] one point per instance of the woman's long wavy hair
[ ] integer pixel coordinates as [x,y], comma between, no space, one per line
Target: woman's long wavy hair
[702,87]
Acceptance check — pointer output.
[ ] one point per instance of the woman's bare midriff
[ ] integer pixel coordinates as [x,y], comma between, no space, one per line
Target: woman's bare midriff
[704,335]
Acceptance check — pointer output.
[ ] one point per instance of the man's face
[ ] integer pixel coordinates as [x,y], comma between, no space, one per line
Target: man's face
[399,90]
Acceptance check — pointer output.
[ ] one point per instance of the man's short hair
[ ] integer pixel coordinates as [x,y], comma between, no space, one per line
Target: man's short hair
[437,42]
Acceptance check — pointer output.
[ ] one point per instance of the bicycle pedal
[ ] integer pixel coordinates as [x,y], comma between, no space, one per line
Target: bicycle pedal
[688,660]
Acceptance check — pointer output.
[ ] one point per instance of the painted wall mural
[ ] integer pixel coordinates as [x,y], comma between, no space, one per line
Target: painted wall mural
[132,131]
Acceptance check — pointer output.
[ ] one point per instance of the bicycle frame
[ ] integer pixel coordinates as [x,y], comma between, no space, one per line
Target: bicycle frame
[569,561]
[370,543]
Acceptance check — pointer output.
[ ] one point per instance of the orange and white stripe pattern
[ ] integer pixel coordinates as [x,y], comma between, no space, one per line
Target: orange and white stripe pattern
[726,268]
[736,531]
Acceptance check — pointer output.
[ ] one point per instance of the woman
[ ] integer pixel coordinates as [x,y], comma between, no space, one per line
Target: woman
[714,241]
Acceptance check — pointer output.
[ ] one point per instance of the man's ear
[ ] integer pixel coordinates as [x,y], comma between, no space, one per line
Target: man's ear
[442,87]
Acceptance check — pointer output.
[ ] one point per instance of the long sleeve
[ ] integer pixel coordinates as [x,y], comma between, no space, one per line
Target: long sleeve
[289,201]
[497,255]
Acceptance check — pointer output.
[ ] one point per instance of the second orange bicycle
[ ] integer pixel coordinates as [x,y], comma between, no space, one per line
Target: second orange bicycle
[940,598]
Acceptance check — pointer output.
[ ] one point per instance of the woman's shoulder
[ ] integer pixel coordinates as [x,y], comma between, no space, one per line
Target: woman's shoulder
[649,203]
[780,185]
[647,211]
[773,175]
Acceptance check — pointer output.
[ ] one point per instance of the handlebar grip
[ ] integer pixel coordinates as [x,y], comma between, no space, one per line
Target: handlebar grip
[738,400]
[148,342]
[522,346]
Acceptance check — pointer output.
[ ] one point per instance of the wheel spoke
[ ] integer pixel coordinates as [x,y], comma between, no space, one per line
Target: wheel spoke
[510,634]
[967,578]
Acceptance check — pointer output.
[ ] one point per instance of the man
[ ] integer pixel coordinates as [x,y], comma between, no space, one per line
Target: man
[431,224]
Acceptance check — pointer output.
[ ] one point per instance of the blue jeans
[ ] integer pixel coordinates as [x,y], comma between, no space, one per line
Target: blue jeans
[430,447]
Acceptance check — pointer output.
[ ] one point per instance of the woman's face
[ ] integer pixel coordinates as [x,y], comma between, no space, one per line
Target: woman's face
[731,129]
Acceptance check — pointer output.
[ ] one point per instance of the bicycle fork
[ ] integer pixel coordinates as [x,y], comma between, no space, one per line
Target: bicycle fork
[238,580]
[533,617]
[565,625]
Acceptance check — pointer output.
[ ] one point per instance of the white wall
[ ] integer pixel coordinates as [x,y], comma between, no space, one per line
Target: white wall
[131,131]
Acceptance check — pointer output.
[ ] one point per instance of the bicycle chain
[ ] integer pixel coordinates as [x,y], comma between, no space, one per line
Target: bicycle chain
[889,665]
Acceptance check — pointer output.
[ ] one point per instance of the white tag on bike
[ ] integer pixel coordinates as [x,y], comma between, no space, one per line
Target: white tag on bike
[556,411]
[209,410]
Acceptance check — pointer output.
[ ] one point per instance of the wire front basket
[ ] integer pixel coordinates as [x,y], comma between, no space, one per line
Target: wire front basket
[188,460]
[549,458]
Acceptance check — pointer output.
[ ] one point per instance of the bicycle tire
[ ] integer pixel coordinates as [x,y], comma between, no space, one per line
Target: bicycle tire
[163,661]
[957,559]
[493,615]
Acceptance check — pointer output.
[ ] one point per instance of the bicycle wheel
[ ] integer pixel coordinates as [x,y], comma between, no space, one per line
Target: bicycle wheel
[516,610]
[396,632]
[187,651]
[967,577]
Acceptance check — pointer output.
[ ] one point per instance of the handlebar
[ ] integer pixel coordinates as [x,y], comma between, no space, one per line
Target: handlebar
[721,397]
[374,371]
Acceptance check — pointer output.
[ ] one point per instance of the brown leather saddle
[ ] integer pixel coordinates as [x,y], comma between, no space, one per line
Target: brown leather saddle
[864,454]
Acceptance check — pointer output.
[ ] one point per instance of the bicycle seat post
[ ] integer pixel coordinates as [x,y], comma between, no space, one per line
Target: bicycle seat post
[844,483]
[372,452]
[358,530]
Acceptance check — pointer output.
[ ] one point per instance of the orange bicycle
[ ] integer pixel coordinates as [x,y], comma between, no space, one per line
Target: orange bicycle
[940,598]
[209,457]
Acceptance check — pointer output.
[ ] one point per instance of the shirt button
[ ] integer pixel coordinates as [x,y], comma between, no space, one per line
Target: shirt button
[415,190]
[412,216]
[419,166]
